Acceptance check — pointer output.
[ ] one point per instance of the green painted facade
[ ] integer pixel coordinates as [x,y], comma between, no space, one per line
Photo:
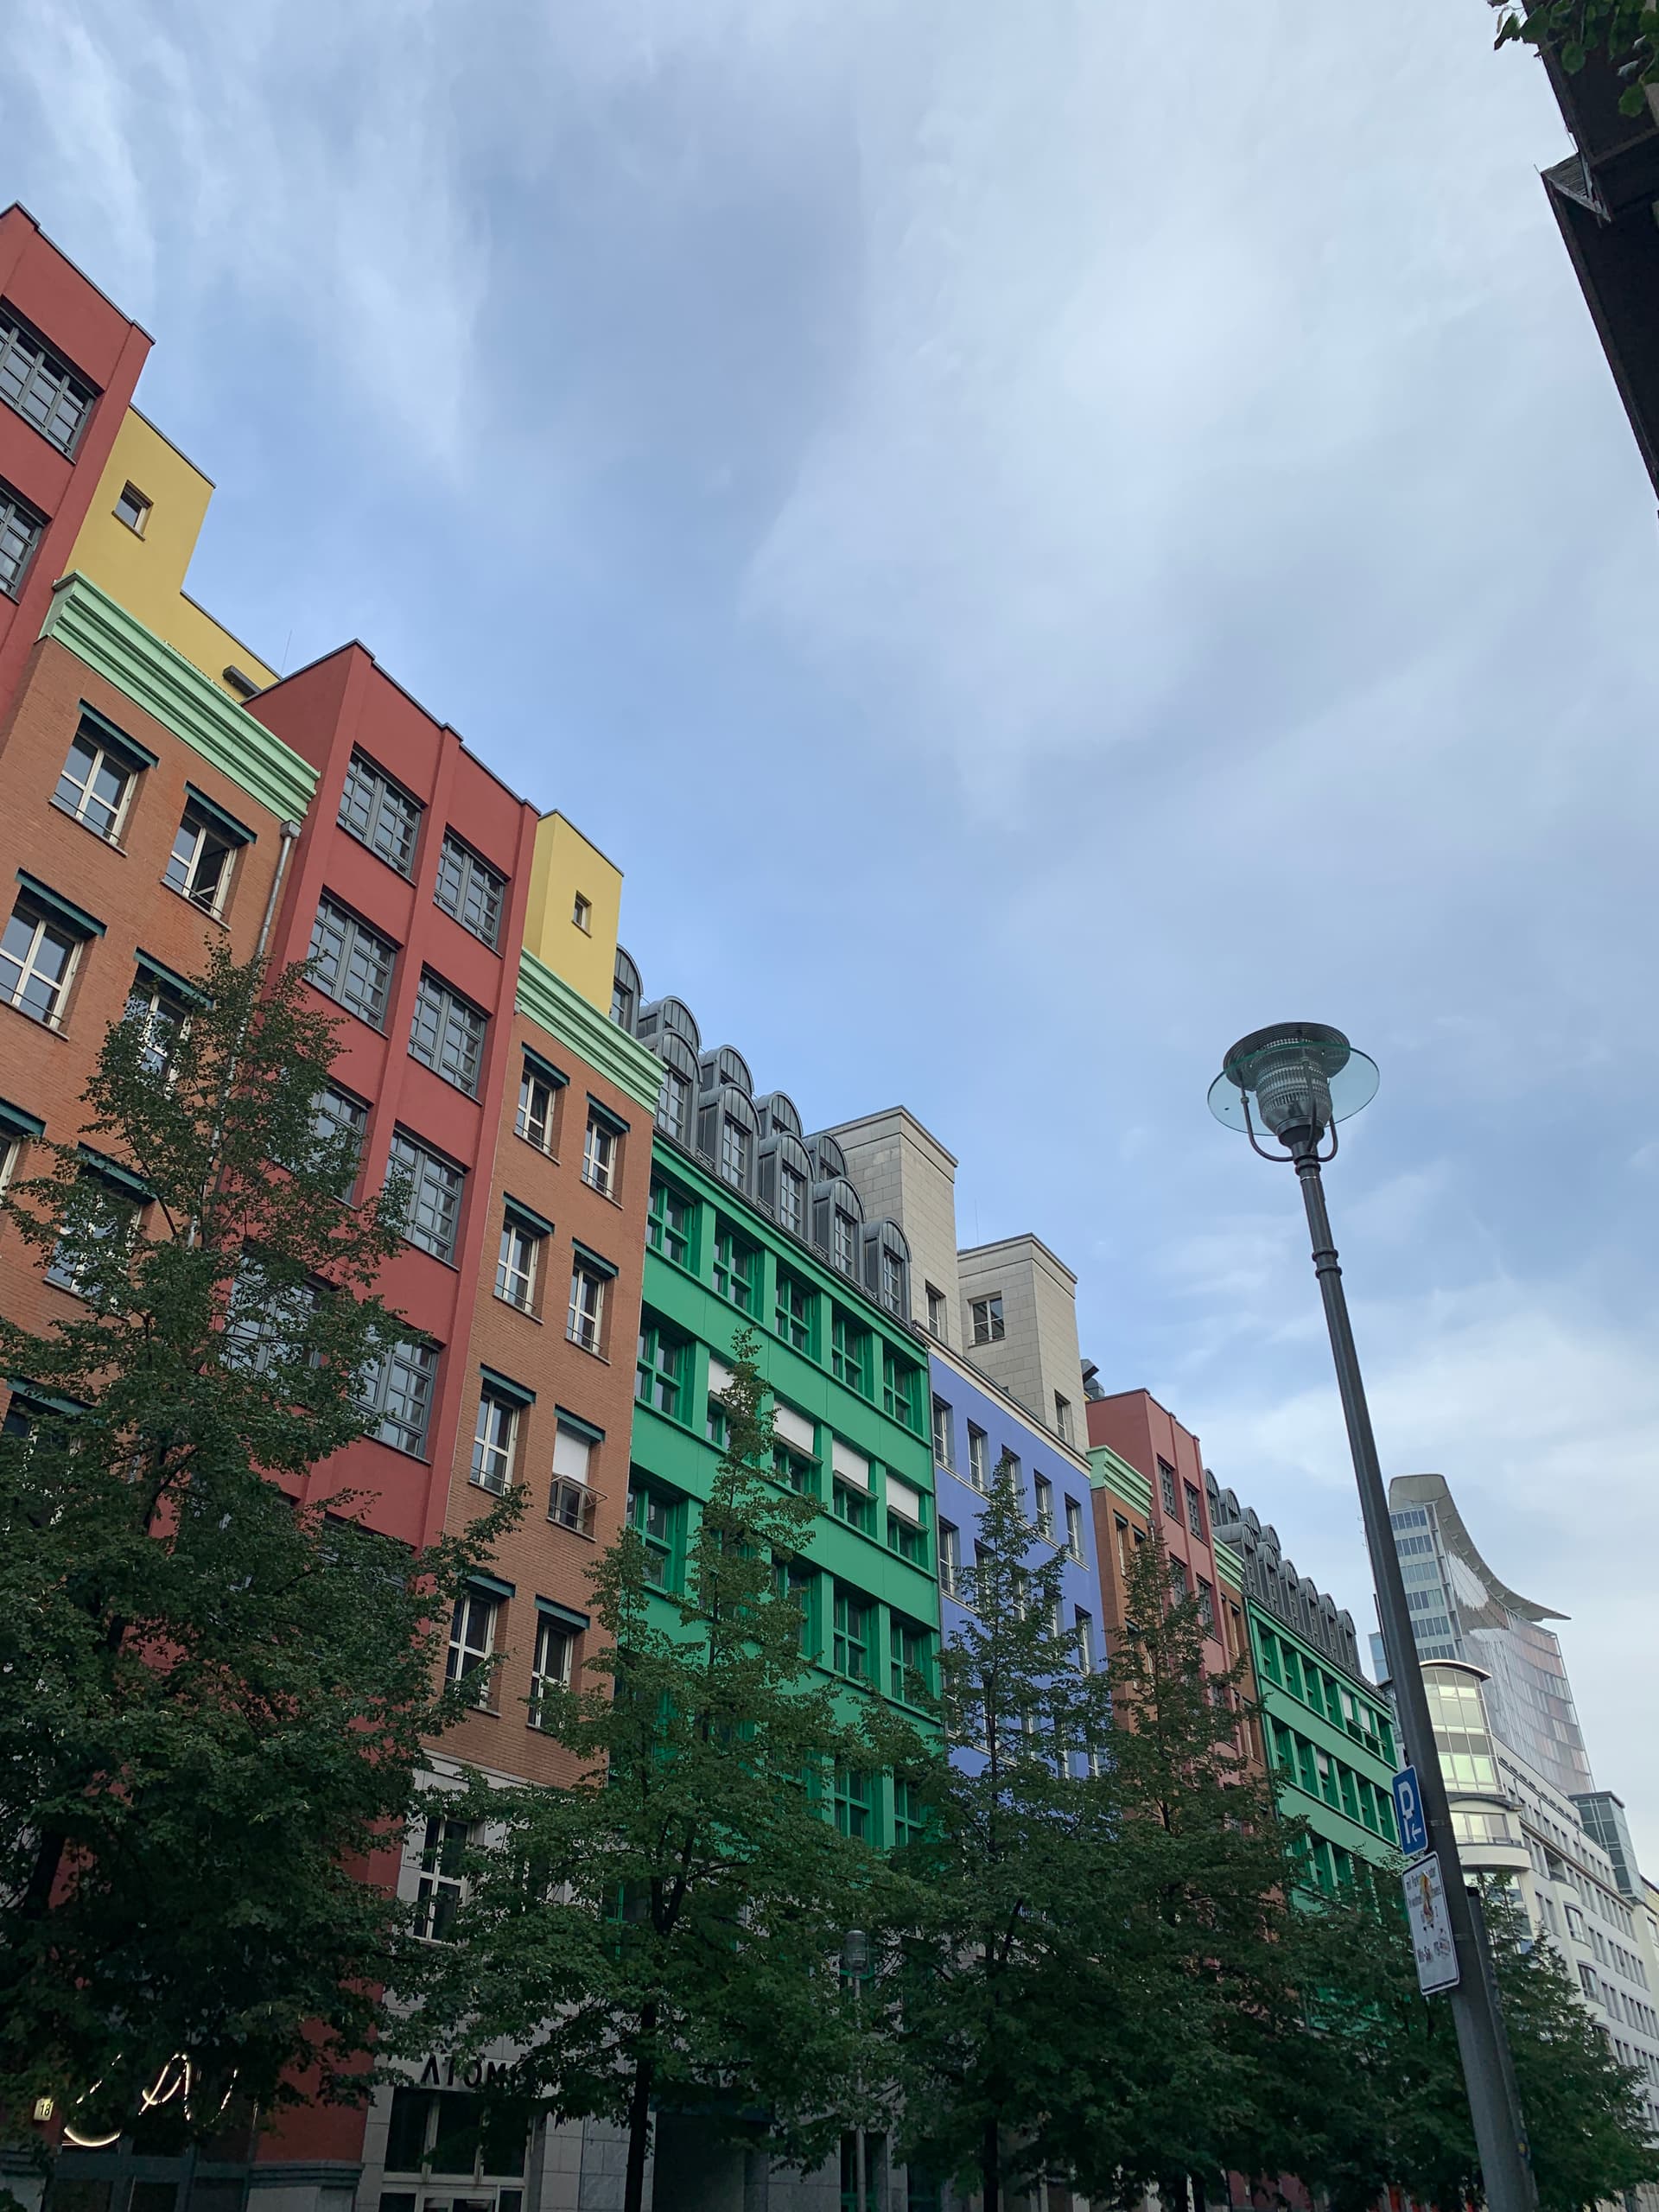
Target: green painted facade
[1330,1747]
[850,1394]
[162,681]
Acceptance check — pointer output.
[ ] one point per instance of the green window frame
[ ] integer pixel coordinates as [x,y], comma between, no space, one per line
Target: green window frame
[857,1809]
[899,1394]
[659,1518]
[794,1580]
[909,1815]
[910,1652]
[668,1224]
[854,1506]
[737,1269]
[659,1371]
[794,1469]
[796,1309]
[849,1353]
[851,1648]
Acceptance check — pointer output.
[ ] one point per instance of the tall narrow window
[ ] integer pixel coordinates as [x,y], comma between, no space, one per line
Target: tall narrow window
[852,1635]
[791,1199]
[340,1122]
[945,1434]
[979,1458]
[1045,1494]
[1195,1511]
[37,962]
[432,1209]
[898,1389]
[737,1269]
[200,864]
[1085,1640]
[161,1014]
[668,1226]
[598,1155]
[658,1517]
[572,1498]
[674,1106]
[470,889]
[1062,1418]
[517,1267]
[950,1557]
[398,1385]
[893,1283]
[494,1441]
[1166,1488]
[20,533]
[351,962]
[935,1313]
[379,813]
[659,1369]
[795,1304]
[735,1153]
[471,1644]
[553,1665]
[537,1097]
[854,1795]
[440,1891]
[96,785]
[1074,1527]
[849,1354]
[584,1324]
[446,1034]
[843,1246]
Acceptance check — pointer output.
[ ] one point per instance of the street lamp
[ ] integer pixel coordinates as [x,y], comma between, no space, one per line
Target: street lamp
[856,1964]
[1295,1082]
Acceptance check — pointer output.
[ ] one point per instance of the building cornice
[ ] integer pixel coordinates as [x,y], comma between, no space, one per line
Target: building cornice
[154,675]
[977,1379]
[549,1000]
[1110,1470]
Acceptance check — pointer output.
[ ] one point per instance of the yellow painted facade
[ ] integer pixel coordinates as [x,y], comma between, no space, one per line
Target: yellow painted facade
[145,574]
[568,868]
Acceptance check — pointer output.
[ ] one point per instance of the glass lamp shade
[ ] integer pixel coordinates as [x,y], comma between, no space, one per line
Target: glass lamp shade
[1298,1076]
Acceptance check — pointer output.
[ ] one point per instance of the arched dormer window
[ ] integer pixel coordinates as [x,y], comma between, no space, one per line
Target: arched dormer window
[725,1067]
[887,1268]
[668,1017]
[726,1134]
[779,1114]
[838,1221]
[827,1159]
[784,1178]
[625,993]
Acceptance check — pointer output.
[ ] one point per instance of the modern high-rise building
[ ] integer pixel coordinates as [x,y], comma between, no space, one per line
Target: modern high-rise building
[1460,1610]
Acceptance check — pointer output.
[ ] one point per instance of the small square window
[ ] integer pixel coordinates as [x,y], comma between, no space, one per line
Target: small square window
[133,509]
[986,1314]
[582,914]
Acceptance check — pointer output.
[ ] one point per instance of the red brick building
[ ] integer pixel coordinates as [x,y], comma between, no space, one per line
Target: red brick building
[1146,1439]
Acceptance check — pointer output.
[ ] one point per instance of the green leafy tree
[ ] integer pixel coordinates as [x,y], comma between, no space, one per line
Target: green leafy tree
[999,1989]
[211,1698]
[1203,1866]
[665,1933]
[1577,32]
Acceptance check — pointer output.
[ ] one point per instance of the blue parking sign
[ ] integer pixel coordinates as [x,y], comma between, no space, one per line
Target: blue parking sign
[1408,1813]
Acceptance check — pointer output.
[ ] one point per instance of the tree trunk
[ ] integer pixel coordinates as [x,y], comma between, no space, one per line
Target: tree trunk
[990,2168]
[633,2194]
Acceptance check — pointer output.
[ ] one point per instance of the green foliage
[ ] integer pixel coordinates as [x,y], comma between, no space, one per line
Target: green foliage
[1621,31]
[211,1699]
[666,1931]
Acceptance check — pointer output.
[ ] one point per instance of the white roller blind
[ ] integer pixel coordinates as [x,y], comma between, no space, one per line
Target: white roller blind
[571,1454]
[720,1377]
[794,1428]
[904,1501]
[851,1466]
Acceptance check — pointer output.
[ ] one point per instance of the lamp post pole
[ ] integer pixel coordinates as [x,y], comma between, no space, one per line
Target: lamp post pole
[1500,2131]
[1304,1078]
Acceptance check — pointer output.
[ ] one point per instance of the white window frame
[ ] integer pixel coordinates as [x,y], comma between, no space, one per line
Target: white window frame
[518,1265]
[989,1323]
[435,1889]
[530,1083]
[44,927]
[945,1434]
[572,1499]
[495,1442]
[585,1319]
[979,1458]
[555,1641]
[207,837]
[1074,1530]
[599,1156]
[103,756]
[1043,1506]
[472,1649]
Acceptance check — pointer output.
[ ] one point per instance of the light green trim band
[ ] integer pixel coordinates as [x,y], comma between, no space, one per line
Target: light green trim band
[564,1014]
[1229,1564]
[1109,1471]
[160,680]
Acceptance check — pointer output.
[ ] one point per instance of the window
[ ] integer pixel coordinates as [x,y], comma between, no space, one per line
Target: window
[1045,1494]
[582,914]
[379,814]
[791,1199]
[987,1316]
[105,1221]
[494,1440]
[1177,1579]
[537,1102]
[735,1153]
[898,1389]
[668,1227]
[909,1826]
[720,1381]
[572,1498]
[472,1643]
[1085,1642]
[551,1667]
[350,962]
[37,962]
[849,1353]
[432,1210]
[945,1434]
[851,1501]
[340,1121]
[518,1263]
[674,1106]
[979,1458]
[1074,1528]
[1166,1485]
[584,1323]
[398,1385]
[843,1247]
[133,509]
[1207,1606]
[737,1269]
[598,1155]
[659,1369]
[1062,1418]
[657,1518]
[621,1003]
[96,785]
[470,889]
[161,1014]
[199,867]
[20,532]
[935,1313]
[906,1521]
[893,1283]
[852,1635]
[266,1324]
[446,1034]
[855,1795]
[44,391]
[797,1470]
[794,1313]
[1194,1512]
[950,1557]
[438,1894]
[910,1658]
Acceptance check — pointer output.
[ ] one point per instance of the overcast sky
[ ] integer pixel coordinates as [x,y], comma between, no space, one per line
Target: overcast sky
[1041,538]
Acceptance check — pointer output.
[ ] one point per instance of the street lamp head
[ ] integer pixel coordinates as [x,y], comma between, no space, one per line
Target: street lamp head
[1299,1077]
